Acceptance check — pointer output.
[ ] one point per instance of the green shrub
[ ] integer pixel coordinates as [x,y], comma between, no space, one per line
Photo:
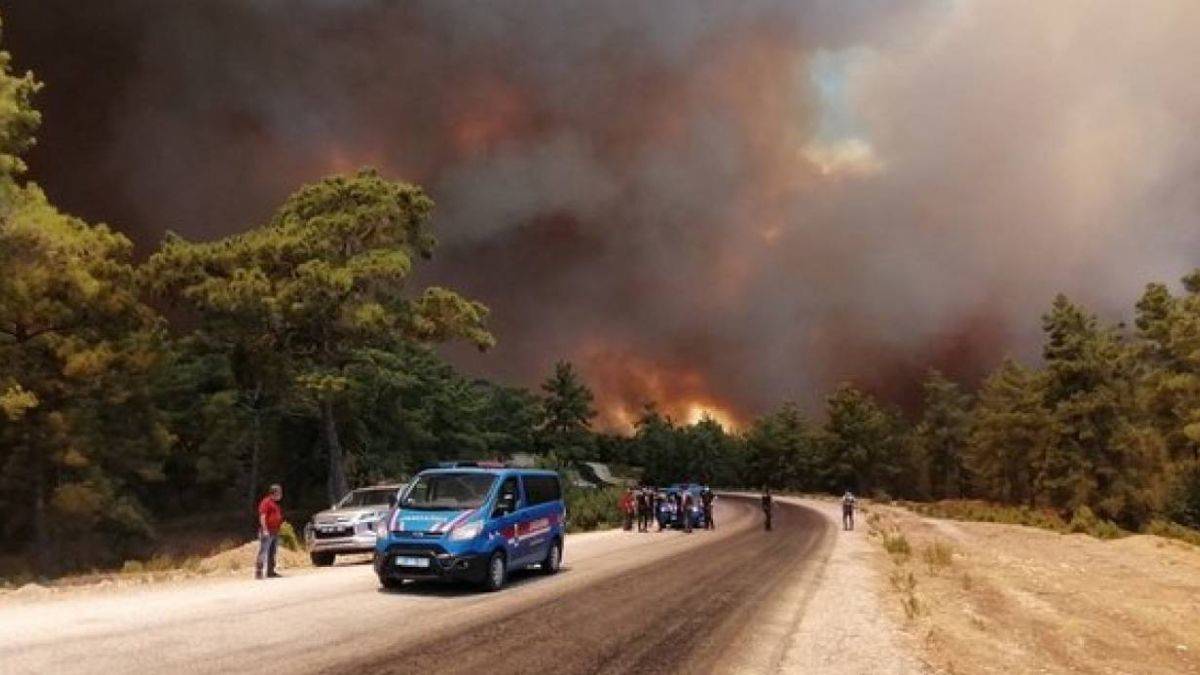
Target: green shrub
[1165,528]
[288,538]
[159,563]
[1183,502]
[1085,521]
[593,509]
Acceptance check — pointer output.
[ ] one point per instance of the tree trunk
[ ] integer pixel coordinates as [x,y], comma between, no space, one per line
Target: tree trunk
[252,490]
[337,472]
[255,444]
[41,528]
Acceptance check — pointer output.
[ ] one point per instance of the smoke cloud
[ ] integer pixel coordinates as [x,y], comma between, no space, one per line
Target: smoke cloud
[711,204]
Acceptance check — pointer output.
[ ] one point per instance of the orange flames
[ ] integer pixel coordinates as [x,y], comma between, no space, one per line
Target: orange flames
[486,111]
[625,383]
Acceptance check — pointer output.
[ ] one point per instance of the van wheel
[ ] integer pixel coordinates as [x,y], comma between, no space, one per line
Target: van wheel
[322,559]
[497,571]
[553,561]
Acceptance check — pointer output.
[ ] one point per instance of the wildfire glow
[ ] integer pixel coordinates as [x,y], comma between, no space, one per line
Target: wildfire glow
[696,412]
[625,383]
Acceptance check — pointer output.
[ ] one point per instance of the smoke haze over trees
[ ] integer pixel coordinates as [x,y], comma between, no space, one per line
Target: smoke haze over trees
[713,205]
[667,210]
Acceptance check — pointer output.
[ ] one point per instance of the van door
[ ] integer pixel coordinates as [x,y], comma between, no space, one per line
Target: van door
[541,496]
[506,512]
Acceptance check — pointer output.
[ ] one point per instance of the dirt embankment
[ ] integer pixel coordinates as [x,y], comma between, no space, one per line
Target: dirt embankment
[990,598]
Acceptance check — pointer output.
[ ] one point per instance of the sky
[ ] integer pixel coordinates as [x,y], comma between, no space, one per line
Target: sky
[716,206]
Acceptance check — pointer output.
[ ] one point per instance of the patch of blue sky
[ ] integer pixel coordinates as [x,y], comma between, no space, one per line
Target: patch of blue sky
[830,71]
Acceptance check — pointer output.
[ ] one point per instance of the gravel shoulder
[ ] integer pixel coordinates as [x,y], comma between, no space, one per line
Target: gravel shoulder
[832,617]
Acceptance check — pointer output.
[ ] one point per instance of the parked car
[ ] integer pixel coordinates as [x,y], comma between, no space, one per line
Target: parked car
[669,512]
[474,524]
[351,525]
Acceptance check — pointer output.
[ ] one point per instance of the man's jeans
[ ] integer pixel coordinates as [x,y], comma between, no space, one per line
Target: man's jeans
[267,545]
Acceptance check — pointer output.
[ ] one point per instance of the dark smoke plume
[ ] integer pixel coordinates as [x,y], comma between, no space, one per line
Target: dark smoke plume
[713,204]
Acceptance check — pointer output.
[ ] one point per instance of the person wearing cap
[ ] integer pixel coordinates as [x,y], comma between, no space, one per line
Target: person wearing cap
[270,519]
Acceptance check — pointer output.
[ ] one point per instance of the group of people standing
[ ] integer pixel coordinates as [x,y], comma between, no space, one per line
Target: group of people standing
[645,505]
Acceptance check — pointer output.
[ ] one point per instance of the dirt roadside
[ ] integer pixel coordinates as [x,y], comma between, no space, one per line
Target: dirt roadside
[830,619]
[991,598]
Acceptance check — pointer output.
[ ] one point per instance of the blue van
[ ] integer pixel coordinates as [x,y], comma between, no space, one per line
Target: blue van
[475,524]
[669,515]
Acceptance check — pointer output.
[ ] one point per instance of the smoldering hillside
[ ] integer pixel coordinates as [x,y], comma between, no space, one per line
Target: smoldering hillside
[710,204]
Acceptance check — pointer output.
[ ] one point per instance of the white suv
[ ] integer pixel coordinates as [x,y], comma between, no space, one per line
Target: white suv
[349,526]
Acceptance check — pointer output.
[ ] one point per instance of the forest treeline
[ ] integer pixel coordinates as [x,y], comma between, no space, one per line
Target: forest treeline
[300,352]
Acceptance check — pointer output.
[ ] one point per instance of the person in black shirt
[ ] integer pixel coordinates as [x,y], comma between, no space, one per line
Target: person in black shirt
[645,506]
[706,499]
[766,507]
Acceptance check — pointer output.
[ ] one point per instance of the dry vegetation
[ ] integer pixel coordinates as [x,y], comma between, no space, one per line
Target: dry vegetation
[985,597]
[226,557]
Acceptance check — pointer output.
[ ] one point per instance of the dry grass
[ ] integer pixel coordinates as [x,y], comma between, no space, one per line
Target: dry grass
[897,545]
[1003,598]
[937,555]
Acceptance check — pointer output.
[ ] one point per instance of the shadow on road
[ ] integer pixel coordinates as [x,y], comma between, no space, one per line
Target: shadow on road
[455,589]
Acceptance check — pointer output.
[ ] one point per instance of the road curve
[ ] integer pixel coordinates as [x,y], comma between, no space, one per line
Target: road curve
[682,613]
[625,602]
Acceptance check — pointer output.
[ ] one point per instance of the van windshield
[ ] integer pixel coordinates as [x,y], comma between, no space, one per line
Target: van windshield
[440,491]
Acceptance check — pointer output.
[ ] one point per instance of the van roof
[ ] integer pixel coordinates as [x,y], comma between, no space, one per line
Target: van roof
[504,471]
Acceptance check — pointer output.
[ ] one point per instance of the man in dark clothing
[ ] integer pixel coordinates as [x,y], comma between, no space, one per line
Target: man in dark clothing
[706,498]
[766,507]
[644,506]
[687,504]
[270,519]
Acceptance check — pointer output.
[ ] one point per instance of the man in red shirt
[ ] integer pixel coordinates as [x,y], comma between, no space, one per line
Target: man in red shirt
[627,507]
[270,519]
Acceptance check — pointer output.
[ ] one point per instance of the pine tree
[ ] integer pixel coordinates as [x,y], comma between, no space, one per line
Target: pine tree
[324,283]
[941,437]
[782,451]
[1011,436]
[78,430]
[865,447]
[1098,458]
[567,412]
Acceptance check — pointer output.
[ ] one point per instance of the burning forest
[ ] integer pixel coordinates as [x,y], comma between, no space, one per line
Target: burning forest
[769,196]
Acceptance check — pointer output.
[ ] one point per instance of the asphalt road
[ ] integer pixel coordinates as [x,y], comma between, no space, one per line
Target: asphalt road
[625,602]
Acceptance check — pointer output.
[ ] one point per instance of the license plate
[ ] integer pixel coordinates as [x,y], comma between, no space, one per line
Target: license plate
[412,562]
[327,530]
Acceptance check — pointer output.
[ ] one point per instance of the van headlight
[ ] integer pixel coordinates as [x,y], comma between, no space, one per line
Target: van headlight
[466,531]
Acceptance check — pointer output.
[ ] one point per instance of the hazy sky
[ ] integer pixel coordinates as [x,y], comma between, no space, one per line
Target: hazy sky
[707,203]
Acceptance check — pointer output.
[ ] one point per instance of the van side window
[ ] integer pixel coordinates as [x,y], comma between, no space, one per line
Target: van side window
[542,489]
[509,492]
